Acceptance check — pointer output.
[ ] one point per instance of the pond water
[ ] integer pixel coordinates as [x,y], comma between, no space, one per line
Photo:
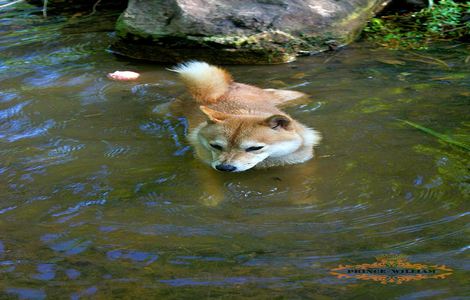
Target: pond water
[100,197]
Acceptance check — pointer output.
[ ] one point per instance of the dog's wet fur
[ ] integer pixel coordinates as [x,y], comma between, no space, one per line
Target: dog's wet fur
[235,127]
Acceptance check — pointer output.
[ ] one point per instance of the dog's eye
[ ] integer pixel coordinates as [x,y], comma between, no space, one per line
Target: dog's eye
[217,147]
[255,148]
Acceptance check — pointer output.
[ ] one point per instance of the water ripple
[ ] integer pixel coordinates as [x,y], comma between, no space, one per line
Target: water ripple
[78,206]
[27,293]
[88,292]
[152,91]
[12,111]
[133,255]
[70,247]
[7,96]
[6,209]
[19,129]
[45,272]
[219,282]
[65,150]
[116,150]
[42,78]
[421,226]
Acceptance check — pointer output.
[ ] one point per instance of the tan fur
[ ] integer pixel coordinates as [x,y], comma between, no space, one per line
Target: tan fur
[205,83]
[236,116]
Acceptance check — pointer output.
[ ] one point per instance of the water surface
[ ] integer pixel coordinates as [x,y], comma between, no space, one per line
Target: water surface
[100,196]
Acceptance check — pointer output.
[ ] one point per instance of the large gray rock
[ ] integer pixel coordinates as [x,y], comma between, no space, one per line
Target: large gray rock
[236,31]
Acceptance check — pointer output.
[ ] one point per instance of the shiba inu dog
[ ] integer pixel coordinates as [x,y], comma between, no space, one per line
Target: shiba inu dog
[234,127]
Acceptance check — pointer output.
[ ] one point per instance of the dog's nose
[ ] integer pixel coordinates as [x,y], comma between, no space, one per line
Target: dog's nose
[225,168]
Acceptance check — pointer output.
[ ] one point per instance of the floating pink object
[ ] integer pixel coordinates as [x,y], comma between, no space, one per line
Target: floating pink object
[123,75]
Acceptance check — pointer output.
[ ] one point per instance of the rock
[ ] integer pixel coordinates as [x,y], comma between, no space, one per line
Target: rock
[249,31]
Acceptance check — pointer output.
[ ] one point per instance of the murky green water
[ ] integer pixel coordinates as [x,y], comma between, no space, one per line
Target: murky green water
[102,198]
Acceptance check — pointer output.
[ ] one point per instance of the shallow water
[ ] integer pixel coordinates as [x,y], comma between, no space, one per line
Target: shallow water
[101,197]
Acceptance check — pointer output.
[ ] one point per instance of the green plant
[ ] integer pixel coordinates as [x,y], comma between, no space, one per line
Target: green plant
[440,21]
[445,138]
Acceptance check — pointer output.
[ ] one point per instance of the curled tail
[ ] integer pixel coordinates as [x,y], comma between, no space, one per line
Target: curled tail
[206,83]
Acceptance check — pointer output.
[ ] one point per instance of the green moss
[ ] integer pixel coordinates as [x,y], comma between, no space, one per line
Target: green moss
[125,30]
[121,27]
[452,167]
[372,105]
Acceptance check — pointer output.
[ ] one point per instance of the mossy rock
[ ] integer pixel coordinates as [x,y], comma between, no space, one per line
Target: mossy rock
[238,32]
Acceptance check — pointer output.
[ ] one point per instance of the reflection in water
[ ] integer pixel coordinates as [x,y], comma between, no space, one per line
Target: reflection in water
[219,282]
[26,293]
[136,256]
[101,196]
[45,272]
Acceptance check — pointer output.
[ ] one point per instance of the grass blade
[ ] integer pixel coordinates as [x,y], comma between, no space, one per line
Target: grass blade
[438,135]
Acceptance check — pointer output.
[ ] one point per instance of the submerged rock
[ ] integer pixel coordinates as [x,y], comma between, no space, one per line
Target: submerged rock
[251,31]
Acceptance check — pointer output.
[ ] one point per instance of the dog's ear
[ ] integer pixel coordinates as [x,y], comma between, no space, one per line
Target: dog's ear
[278,122]
[213,115]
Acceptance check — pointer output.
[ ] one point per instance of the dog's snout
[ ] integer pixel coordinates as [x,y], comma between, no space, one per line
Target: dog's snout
[225,168]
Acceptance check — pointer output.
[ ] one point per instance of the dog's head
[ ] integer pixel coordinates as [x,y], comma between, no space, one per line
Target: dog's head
[240,142]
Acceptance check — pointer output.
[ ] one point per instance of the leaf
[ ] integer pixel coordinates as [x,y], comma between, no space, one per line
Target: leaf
[456,76]
[438,135]
[391,61]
